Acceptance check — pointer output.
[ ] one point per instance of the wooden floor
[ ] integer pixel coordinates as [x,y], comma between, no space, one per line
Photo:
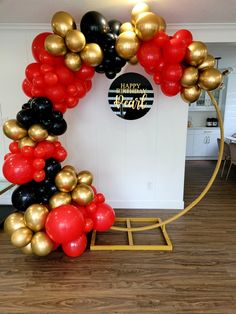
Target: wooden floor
[199,276]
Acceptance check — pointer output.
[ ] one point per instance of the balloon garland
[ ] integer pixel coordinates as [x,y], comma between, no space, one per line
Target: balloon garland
[57,205]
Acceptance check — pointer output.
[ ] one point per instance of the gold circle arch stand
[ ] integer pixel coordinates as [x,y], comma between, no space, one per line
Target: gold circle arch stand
[201,195]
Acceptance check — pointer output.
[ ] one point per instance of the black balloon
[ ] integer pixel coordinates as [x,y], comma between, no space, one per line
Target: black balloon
[26,117]
[26,106]
[46,189]
[100,68]
[24,196]
[57,127]
[114,26]
[57,115]
[107,40]
[42,106]
[110,74]
[52,167]
[46,122]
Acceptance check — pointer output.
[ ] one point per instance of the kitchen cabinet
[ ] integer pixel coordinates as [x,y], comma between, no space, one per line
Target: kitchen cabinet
[204,101]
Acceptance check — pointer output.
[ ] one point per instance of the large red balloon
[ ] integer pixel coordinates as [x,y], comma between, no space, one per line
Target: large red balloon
[103,218]
[172,72]
[38,44]
[160,39]
[184,36]
[65,224]
[76,247]
[149,55]
[174,51]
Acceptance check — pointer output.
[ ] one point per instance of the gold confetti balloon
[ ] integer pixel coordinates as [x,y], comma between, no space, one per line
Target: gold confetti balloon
[210,79]
[139,8]
[13,130]
[75,40]
[21,237]
[73,61]
[62,22]
[35,216]
[189,77]
[59,198]
[65,181]
[37,133]
[92,55]
[191,94]
[82,194]
[14,222]
[127,45]
[55,45]
[85,177]
[209,62]
[41,244]
[196,53]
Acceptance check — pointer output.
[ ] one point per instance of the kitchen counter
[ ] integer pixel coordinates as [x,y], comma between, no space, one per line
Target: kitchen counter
[203,128]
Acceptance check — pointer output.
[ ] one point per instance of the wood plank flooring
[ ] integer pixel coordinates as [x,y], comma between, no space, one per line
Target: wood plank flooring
[199,276]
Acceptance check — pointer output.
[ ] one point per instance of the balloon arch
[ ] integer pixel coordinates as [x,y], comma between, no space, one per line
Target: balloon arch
[57,205]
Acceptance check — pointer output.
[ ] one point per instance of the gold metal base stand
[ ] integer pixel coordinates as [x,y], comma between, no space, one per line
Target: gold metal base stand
[131,246]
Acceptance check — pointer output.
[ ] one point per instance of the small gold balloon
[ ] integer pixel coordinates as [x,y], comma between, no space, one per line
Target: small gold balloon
[133,60]
[37,133]
[55,45]
[73,61]
[21,237]
[26,141]
[82,194]
[85,177]
[69,168]
[35,216]
[41,244]
[209,62]
[14,222]
[65,181]
[210,79]
[126,27]
[127,45]
[13,130]
[75,40]
[139,8]
[191,94]
[52,138]
[92,55]
[62,22]
[59,198]
[189,77]
[196,53]
[148,24]
[27,249]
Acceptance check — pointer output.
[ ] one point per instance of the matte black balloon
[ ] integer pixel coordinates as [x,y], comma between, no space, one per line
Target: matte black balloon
[114,26]
[52,167]
[24,196]
[110,74]
[93,24]
[26,117]
[42,106]
[100,68]
[58,127]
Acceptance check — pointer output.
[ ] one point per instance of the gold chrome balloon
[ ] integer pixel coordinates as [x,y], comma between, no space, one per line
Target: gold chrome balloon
[189,77]
[137,10]
[27,249]
[59,198]
[26,141]
[75,40]
[62,22]
[196,53]
[13,222]
[21,237]
[70,168]
[52,138]
[127,45]
[41,244]
[55,45]
[73,61]
[35,216]
[82,194]
[126,27]
[13,130]
[210,79]
[65,181]
[209,62]
[37,133]
[133,60]
[85,177]
[191,94]
[92,55]
[148,24]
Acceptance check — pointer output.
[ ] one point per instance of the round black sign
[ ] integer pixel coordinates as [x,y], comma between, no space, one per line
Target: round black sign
[130,96]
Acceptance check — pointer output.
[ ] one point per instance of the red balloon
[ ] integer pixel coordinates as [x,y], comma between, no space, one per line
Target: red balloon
[18,169]
[184,36]
[44,150]
[88,84]
[7,155]
[46,58]
[149,55]
[56,93]
[65,75]
[38,82]
[38,44]
[103,218]
[50,78]
[81,88]
[88,225]
[172,72]
[71,101]
[174,51]
[27,151]
[32,70]
[94,189]
[39,176]
[60,154]
[160,66]
[170,88]
[46,68]
[91,208]
[76,247]
[157,78]
[160,39]
[37,92]
[26,87]
[72,90]
[64,224]
[99,198]
[85,73]
[39,163]
[13,147]
[60,107]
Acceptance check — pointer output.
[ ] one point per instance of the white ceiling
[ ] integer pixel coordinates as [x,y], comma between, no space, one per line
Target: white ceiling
[173,11]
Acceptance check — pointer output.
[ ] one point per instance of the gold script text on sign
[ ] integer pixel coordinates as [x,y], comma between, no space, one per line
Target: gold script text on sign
[137,103]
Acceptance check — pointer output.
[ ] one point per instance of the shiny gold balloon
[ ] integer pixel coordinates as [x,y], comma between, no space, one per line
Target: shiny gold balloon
[26,141]
[85,177]
[70,168]
[209,62]
[41,244]
[55,45]
[21,237]
[59,198]
[75,40]
[37,133]
[52,138]
[73,61]
[196,53]
[92,55]
[82,194]
[191,94]
[139,8]
[27,249]
[35,216]
[13,222]
[65,181]
[62,22]
[189,77]
[148,24]
[126,27]
[133,60]
[127,45]
[210,79]
[13,130]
